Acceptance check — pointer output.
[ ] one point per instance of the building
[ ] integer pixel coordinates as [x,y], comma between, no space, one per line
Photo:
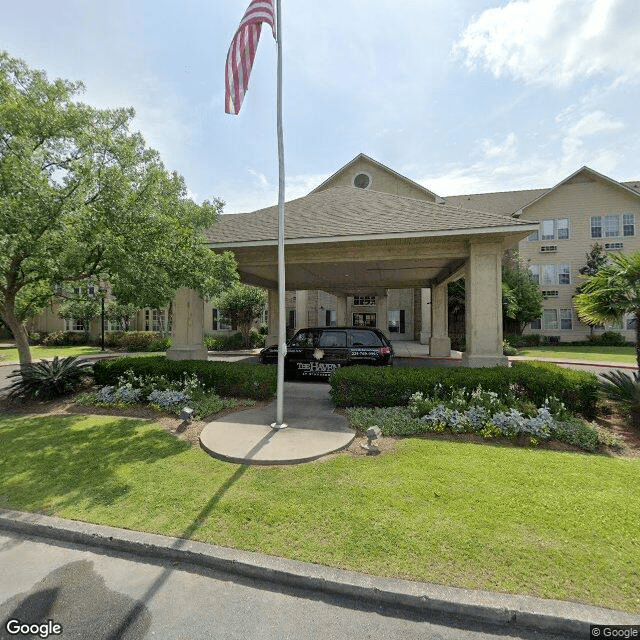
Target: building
[582,209]
[371,247]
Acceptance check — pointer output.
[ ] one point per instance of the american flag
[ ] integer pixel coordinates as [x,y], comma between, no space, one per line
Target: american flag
[243,50]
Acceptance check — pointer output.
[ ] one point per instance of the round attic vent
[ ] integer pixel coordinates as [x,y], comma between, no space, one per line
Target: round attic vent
[362,181]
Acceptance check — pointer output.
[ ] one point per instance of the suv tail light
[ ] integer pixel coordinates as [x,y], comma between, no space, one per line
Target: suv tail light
[384,350]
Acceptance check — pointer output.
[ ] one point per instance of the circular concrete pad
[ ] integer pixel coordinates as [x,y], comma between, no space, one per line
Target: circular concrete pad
[314,430]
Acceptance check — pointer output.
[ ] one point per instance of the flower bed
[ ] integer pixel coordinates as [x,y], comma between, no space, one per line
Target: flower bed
[160,393]
[486,413]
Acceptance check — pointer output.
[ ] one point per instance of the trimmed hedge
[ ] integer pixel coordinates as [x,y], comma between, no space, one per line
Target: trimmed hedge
[226,378]
[363,386]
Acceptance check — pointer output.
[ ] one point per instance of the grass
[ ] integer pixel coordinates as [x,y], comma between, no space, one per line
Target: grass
[10,354]
[551,524]
[622,355]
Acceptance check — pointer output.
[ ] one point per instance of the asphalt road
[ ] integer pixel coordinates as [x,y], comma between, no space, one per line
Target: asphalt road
[102,596]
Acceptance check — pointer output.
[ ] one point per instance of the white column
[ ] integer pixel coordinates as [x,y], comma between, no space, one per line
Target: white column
[439,343]
[302,316]
[425,309]
[483,306]
[272,336]
[341,310]
[187,332]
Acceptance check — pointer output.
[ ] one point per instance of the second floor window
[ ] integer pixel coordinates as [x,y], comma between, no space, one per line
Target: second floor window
[555,229]
[611,225]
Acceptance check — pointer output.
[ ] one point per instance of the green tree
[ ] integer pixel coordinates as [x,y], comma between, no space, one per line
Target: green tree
[521,297]
[83,309]
[595,259]
[82,196]
[612,292]
[242,305]
[120,314]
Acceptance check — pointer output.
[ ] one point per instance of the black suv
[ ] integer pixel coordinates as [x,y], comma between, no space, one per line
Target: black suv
[321,350]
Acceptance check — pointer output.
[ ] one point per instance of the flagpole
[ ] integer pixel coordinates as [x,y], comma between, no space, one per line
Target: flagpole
[282,333]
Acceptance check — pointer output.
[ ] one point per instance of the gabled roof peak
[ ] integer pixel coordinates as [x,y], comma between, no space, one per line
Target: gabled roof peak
[363,156]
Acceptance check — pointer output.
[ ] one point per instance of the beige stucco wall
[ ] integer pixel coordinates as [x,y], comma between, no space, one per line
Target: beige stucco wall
[578,202]
[381,180]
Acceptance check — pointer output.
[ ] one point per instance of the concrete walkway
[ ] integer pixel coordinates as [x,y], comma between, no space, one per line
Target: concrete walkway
[314,430]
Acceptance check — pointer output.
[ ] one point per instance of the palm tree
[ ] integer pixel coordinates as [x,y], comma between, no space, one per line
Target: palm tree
[613,292]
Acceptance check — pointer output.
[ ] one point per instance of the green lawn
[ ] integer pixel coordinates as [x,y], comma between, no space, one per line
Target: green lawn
[10,354]
[623,355]
[555,525]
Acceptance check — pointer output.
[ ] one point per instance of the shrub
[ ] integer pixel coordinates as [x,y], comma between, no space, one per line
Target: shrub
[608,339]
[226,378]
[533,381]
[623,389]
[507,349]
[45,380]
[257,339]
[161,344]
[223,343]
[63,338]
[137,340]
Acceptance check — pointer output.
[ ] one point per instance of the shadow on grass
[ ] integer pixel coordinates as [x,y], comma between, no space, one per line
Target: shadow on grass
[62,460]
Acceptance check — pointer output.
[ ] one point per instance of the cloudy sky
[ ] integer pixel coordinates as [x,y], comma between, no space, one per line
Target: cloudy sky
[463,96]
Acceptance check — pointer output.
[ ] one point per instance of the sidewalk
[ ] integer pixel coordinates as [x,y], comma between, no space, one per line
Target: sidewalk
[511,612]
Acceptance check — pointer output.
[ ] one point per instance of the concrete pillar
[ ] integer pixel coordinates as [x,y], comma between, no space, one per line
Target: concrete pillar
[187,332]
[425,311]
[302,319]
[272,335]
[439,342]
[341,310]
[483,306]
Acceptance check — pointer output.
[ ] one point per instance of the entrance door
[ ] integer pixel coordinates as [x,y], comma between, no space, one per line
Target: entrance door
[364,320]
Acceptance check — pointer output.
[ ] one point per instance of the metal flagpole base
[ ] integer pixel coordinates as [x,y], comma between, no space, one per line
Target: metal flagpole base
[275,425]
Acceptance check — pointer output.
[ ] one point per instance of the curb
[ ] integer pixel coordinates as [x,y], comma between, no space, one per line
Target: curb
[514,611]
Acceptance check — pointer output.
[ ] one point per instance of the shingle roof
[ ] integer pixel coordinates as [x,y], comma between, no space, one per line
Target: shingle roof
[503,202]
[352,212]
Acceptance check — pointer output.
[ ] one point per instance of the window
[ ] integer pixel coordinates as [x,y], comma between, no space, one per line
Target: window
[364,301]
[303,339]
[536,324]
[547,230]
[396,321]
[566,319]
[364,319]
[596,227]
[219,323]
[555,229]
[562,226]
[564,274]
[362,181]
[535,272]
[631,323]
[628,224]
[532,236]
[154,319]
[552,293]
[333,339]
[365,339]
[291,319]
[73,325]
[330,318]
[550,319]
[548,274]
[611,226]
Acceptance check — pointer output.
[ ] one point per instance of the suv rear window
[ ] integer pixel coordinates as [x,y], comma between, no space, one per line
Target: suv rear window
[333,339]
[364,339]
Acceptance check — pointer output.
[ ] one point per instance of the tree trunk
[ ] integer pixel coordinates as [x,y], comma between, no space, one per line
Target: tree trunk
[18,329]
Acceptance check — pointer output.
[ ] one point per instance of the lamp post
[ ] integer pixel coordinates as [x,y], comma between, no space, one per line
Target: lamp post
[103,293]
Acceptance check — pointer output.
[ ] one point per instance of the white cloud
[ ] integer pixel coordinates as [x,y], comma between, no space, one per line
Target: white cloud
[261,180]
[507,149]
[555,42]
